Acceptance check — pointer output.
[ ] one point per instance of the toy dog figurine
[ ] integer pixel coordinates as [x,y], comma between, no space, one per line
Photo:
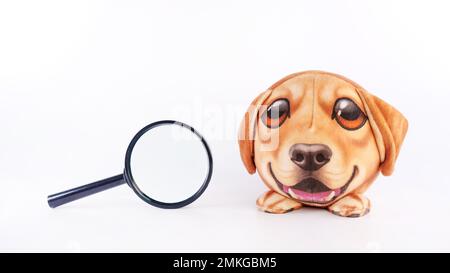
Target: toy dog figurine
[319,139]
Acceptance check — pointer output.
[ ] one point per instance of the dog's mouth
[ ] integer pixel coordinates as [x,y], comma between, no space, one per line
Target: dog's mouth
[311,190]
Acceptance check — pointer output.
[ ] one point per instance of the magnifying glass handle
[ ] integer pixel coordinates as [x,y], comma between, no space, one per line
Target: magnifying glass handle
[61,198]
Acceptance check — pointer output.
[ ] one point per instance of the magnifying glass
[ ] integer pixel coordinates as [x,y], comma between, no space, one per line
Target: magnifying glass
[168,164]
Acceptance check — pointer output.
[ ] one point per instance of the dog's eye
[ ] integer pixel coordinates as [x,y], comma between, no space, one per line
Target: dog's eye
[348,115]
[276,113]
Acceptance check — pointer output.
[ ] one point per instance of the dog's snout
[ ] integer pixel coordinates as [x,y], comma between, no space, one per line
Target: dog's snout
[310,157]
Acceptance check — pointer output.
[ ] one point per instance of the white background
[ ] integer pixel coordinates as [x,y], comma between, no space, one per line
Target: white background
[79,78]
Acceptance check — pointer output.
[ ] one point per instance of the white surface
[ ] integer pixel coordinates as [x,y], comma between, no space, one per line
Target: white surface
[79,78]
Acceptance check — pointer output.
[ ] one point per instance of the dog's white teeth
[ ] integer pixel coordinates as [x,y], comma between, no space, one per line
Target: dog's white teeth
[291,192]
[330,196]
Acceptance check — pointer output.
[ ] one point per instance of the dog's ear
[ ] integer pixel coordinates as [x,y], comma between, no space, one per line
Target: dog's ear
[389,127]
[247,131]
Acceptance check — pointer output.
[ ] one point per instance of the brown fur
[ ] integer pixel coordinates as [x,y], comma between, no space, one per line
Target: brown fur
[372,148]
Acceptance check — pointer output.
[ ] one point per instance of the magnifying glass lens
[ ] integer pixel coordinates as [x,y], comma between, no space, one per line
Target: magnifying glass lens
[168,163]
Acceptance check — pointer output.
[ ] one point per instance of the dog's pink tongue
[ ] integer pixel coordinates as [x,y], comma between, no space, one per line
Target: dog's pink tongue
[307,195]
[317,197]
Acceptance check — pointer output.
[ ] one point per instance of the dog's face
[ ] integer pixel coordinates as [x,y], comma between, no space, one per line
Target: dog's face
[315,139]
[313,142]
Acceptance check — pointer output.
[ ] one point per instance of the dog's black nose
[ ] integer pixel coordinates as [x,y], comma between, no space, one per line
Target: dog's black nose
[310,157]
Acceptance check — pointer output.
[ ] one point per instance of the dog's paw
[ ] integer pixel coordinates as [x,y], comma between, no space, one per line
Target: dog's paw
[353,205]
[273,202]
